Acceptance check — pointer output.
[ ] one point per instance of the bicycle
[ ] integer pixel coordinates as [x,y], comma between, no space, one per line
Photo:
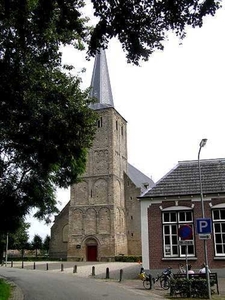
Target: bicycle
[147,280]
[164,278]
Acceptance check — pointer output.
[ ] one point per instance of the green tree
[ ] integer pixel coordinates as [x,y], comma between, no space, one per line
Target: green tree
[142,25]
[19,239]
[46,125]
[37,243]
[46,243]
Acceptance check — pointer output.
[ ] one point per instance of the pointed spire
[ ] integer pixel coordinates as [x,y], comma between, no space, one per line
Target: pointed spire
[100,82]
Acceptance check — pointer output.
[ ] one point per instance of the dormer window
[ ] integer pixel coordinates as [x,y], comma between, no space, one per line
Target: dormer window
[146,184]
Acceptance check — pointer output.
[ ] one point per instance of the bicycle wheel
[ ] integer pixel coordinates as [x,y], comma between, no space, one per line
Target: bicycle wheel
[164,283]
[147,284]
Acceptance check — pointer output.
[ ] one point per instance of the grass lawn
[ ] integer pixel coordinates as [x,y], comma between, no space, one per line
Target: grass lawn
[5,289]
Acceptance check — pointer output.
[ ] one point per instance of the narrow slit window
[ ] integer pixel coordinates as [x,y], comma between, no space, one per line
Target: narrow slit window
[99,122]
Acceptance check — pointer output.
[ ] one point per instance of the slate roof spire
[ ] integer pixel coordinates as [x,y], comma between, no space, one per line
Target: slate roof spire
[100,82]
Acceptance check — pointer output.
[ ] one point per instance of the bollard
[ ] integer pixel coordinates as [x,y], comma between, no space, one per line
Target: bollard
[75,269]
[93,271]
[12,264]
[121,275]
[22,264]
[34,267]
[107,273]
[46,266]
[61,267]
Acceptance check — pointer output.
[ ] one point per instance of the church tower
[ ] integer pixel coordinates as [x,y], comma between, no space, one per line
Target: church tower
[97,210]
[103,217]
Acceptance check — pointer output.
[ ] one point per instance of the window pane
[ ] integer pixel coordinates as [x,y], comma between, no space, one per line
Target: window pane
[188,216]
[175,250]
[182,216]
[173,217]
[223,238]
[223,227]
[167,250]
[219,249]
[166,229]
[216,214]
[217,227]
[222,214]
[174,239]
[183,250]
[190,249]
[167,240]
[218,238]
[174,229]
[166,217]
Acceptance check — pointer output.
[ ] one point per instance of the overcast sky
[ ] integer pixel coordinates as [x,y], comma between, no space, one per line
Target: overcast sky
[170,103]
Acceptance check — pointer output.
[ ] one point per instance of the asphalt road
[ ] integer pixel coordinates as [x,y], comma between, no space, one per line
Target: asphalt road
[41,285]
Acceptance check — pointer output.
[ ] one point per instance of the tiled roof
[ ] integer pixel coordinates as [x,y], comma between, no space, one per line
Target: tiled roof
[138,178]
[184,179]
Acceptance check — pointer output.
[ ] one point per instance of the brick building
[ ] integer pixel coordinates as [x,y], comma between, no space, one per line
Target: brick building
[102,219]
[175,201]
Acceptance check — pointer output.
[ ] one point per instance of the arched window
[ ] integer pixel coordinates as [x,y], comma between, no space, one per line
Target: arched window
[65,232]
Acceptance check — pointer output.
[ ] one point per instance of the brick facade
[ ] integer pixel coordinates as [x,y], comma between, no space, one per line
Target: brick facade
[156,259]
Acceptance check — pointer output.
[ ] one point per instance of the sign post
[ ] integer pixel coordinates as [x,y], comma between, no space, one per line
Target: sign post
[185,233]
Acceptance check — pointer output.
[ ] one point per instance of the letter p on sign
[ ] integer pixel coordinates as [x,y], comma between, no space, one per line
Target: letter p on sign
[204,226]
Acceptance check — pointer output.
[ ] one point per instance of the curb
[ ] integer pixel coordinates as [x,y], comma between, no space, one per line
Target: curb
[17,293]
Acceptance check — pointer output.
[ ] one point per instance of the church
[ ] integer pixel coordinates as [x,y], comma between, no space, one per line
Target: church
[102,220]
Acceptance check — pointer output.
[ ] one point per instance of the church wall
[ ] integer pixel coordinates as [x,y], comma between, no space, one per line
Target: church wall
[96,224]
[59,235]
[133,211]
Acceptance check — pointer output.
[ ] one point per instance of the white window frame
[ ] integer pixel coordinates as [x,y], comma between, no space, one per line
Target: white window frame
[170,226]
[218,219]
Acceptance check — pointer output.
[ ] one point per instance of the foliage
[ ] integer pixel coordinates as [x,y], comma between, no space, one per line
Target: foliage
[34,258]
[128,258]
[142,25]
[46,243]
[46,125]
[5,289]
[37,243]
[193,287]
[19,239]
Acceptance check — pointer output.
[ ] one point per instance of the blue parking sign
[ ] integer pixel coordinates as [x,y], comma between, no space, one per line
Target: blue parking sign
[204,226]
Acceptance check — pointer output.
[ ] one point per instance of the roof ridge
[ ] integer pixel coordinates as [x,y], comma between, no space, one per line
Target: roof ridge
[208,160]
